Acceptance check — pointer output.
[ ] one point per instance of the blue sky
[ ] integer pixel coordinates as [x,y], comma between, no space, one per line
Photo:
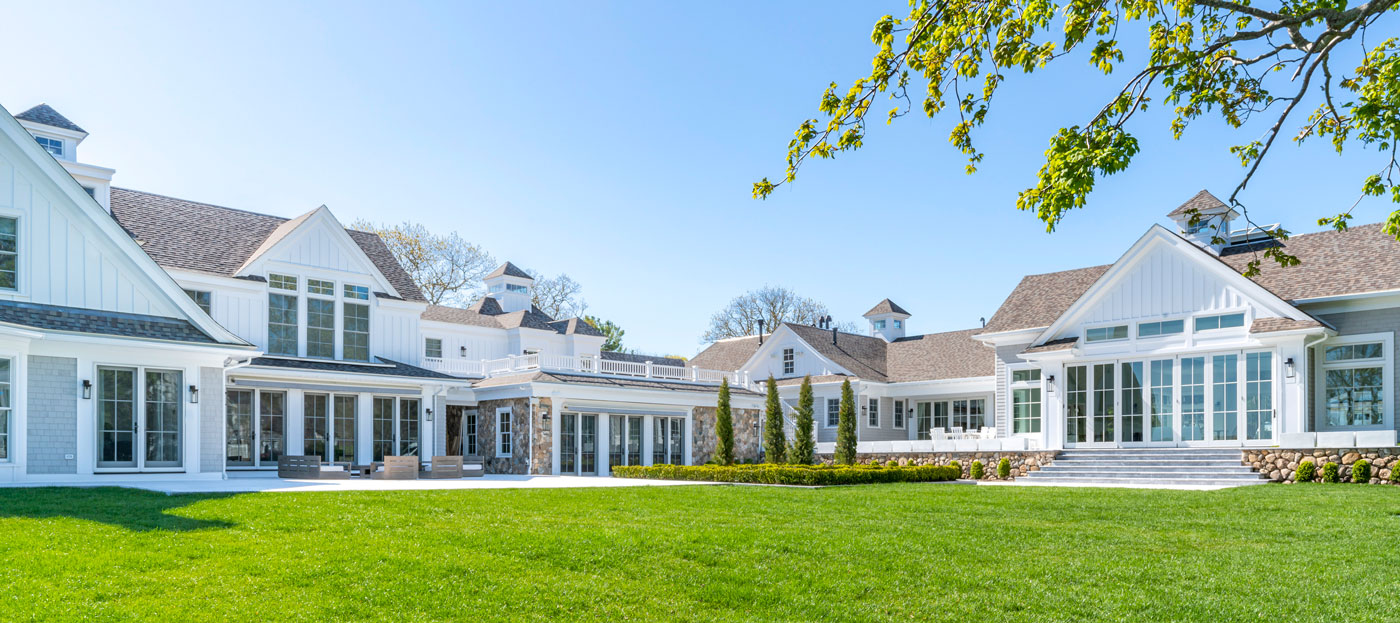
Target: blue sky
[617,143]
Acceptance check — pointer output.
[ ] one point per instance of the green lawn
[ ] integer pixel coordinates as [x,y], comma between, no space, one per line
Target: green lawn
[880,552]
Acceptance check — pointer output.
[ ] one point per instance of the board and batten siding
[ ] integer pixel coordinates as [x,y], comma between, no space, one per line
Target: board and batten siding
[1165,282]
[64,258]
[51,415]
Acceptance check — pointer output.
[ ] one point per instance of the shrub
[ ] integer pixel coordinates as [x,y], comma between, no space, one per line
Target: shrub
[976,470]
[1395,473]
[956,465]
[724,426]
[1330,473]
[1307,472]
[771,474]
[891,463]
[774,438]
[803,439]
[1004,468]
[1361,471]
[846,426]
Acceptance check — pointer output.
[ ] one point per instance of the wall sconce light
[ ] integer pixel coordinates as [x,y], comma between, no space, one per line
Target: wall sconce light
[87,389]
[194,395]
[1288,367]
[464,351]
[1050,378]
[429,412]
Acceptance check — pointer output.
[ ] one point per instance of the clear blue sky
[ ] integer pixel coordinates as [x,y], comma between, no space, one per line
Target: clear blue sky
[616,143]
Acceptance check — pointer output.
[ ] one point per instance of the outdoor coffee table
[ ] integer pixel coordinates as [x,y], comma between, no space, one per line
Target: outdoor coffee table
[363,471]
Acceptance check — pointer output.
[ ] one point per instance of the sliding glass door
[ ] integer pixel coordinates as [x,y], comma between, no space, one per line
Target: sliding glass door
[144,433]
[254,424]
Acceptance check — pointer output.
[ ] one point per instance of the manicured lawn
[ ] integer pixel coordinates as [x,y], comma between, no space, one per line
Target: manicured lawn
[879,552]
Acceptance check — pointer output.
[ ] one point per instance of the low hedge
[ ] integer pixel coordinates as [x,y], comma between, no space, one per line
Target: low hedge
[769,474]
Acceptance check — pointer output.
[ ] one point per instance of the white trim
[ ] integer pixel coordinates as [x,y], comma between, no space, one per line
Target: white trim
[506,411]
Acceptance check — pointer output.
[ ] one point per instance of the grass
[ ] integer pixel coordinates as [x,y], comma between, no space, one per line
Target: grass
[881,552]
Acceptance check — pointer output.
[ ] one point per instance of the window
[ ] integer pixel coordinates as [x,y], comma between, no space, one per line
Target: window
[356,345]
[503,440]
[1105,334]
[1025,401]
[898,324]
[1160,400]
[1165,327]
[314,432]
[970,415]
[1223,321]
[92,192]
[873,414]
[282,282]
[396,430]
[899,414]
[1259,395]
[4,409]
[319,286]
[282,324]
[432,348]
[1224,396]
[940,415]
[1193,398]
[469,433]
[789,361]
[202,298]
[880,324]
[408,426]
[519,289]
[138,417]
[320,327]
[1025,376]
[833,412]
[1076,404]
[923,421]
[9,254]
[383,426]
[359,293]
[1354,384]
[343,428]
[51,145]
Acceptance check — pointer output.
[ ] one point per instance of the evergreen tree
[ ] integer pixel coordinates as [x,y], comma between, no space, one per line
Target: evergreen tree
[774,438]
[724,427]
[804,448]
[846,427]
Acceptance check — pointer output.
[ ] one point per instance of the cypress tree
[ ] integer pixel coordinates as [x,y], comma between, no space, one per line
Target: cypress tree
[846,427]
[774,438]
[724,427]
[804,448]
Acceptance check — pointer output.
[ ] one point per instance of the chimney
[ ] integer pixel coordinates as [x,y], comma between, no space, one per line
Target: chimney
[760,332]
[833,335]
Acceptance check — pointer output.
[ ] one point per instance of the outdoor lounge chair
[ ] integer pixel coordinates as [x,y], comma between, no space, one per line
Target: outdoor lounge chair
[445,467]
[308,468]
[473,466]
[396,468]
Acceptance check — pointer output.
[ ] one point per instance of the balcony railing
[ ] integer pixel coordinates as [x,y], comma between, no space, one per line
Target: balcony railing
[516,364]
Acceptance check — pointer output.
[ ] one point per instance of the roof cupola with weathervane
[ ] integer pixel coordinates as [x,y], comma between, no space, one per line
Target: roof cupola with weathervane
[60,137]
[511,287]
[1204,220]
[887,320]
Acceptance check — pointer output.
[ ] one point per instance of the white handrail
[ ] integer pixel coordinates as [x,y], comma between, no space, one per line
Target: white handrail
[586,364]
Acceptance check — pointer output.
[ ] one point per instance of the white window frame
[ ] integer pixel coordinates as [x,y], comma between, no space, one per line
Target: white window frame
[789,361]
[7,419]
[898,324]
[312,292]
[1244,321]
[505,440]
[18,252]
[1127,333]
[827,421]
[1185,328]
[1386,363]
[872,413]
[272,278]
[337,319]
[353,292]
[899,414]
[191,292]
[1012,386]
[427,347]
[879,325]
[47,141]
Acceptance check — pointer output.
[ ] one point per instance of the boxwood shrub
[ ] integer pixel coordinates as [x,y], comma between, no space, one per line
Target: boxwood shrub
[1307,472]
[1330,473]
[976,470]
[1361,472]
[769,474]
[1004,468]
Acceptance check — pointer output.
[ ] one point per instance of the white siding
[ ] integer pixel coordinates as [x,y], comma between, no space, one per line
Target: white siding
[1165,282]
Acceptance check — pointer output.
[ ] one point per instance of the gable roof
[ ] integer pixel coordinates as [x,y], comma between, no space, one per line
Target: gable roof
[727,354]
[510,270]
[1333,263]
[937,356]
[45,114]
[1202,203]
[575,326]
[886,307]
[201,237]
[862,355]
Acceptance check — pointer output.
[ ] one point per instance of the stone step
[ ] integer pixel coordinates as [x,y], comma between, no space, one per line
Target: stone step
[1184,453]
[1155,475]
[1145,461]
[1148,469]
[1141,482]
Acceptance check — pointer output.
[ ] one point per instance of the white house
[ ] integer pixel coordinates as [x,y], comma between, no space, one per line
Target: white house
[144,334]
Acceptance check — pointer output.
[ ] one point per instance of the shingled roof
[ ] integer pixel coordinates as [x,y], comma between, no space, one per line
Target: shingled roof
[1333,263]
[98,322]
[45,114]
[187,235]
[487,313]
[886,307]
[510,270]
[726,354]
[938,356]
[1202,203]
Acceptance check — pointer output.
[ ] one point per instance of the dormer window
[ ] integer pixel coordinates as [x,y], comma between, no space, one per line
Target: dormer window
[51,145]
[898,324]
[496,287]
[879,325]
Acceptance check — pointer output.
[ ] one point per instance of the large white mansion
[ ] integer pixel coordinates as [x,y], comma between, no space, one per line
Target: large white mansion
[145,334]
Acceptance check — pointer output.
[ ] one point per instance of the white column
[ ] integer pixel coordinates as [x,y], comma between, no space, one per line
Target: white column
[294,431]
[648,426]
[603,444]
[689,433]
[364,427]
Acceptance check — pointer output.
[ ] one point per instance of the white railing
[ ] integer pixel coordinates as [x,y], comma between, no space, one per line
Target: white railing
[515,364]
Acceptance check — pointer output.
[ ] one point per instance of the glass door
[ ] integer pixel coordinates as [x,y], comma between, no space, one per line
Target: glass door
[1103,420]
[343,430]
[588,441]
[923,420]
[634,440]
[1193,399]
[241,438]
[116,417]
[568,443]
[272,421]
[139,434]
[1225,397]
[1161,392]
[1259,396]
[1131,403]
[1076,405]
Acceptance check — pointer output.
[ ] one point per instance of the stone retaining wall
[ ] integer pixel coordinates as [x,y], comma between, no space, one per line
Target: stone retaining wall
[1022,462]
[1279,464]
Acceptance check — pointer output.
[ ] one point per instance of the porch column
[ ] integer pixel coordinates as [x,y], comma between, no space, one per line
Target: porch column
[364,428]
[1052,414]
[603,444]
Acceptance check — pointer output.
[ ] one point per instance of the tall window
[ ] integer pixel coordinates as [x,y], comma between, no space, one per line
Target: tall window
[1103,403]
[163,392]
[343,428]
[1355,384]
[4,409]
[1076,404]
[1161,400]
[383,427]
[503,438]
[356,343]
[1131,401]
[899,414]
[202,298]
[789,361]
[1225,397]
[282,324]
[873,414]
[9,254]
[833,412]
[432,348]
[272,412]
[316,411]
[923,421]
[1025,401]
[469,433]
[1193,398]
[408,426]
[320,327]
[240,435]
[1259,395]
[940,415]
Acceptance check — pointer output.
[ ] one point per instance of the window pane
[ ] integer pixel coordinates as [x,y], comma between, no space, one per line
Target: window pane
[282,282]
[356,345]
[320,328]
[9,253]
[356,292]
[408,426]
[432,347]
[281,324]
[343,431]
[315,432]
[320,286]
[383,425]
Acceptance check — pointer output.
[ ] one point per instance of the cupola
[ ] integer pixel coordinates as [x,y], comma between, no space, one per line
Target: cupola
[887,320]
[1204,220]
[60,137]
[512,287]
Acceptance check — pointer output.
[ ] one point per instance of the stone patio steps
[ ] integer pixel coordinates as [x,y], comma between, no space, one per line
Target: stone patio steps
[1148,467]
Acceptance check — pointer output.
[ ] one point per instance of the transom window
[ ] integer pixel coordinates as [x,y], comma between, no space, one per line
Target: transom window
[320,286]
[1025,376]
[789,361]
[9,254]
[359,293]
[1223,321]
[1164,327]
[202,298]
[1354,384]
[51,145]
[1105,334]
[432,348]
[282,282]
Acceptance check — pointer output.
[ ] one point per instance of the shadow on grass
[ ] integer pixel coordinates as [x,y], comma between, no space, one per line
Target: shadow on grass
[133,509]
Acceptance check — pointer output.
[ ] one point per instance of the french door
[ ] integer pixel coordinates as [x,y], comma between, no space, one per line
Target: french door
[624,440]
[578,444]
[328,423]
[1213,399]
[256,425]
[667,441]
[139,418]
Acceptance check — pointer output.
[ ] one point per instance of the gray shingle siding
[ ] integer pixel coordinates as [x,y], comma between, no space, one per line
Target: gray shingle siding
[1358,323]
[1001,408]
[52,415]
[211,420]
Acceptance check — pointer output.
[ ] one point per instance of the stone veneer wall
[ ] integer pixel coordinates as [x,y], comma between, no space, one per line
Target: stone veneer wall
[542,440]
[521,435]
[1278,464]
[747,442]
[1022,462]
